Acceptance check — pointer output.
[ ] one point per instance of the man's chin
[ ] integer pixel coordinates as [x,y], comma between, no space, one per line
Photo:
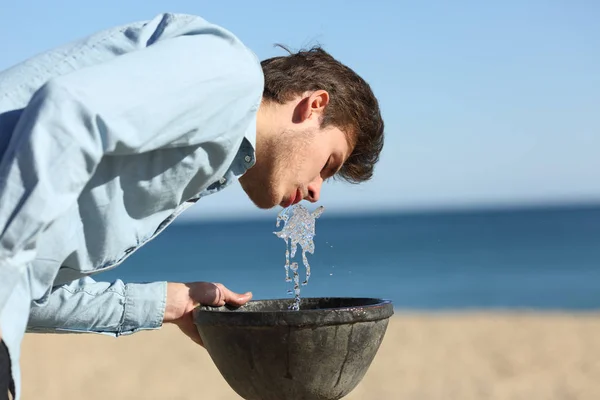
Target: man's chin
[264,206]
[263,199]
[262,202]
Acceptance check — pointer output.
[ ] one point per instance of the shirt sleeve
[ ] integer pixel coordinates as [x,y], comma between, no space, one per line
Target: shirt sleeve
[110,308]
[184,91]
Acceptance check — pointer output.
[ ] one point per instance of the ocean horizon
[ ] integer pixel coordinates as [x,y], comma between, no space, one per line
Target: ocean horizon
[536,258]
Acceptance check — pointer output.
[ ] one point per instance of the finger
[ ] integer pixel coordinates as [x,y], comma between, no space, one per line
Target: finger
[216,294]
[229,297]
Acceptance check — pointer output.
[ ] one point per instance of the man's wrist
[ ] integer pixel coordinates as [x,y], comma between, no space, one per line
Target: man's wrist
[178,301]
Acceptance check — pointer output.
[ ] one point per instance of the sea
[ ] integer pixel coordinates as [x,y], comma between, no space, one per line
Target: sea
[538,258]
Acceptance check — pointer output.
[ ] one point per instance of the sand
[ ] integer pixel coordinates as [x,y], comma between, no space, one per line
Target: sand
[424,356]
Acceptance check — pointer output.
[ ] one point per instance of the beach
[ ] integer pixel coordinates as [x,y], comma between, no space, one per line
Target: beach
[425,356]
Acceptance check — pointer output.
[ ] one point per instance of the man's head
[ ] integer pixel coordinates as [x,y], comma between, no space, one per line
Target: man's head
[318,119]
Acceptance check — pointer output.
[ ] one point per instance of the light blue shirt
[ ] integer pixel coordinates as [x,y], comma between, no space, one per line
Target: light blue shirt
[103,142]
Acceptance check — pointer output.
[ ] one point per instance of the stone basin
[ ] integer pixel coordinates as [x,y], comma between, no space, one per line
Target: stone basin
[267,352]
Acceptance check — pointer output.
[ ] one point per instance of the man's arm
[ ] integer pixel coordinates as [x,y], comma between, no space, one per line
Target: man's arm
[112,308]
[189,90]
[120,309]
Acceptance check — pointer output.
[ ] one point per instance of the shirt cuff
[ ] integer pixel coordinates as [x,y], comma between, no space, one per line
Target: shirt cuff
[144,307]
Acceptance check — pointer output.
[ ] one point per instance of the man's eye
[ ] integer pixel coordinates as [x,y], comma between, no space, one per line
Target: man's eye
[326,167]
[327,172]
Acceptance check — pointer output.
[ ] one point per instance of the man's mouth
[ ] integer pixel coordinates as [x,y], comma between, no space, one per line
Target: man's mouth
[298,197]
[294,198]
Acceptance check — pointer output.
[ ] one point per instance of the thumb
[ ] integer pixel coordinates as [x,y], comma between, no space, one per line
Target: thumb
[239,299]
[233,298]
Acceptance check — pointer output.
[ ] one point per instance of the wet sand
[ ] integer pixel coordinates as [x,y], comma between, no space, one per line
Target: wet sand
[423,356]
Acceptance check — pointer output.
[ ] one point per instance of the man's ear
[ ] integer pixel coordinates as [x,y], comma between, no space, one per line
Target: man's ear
[318,101]
[312,106]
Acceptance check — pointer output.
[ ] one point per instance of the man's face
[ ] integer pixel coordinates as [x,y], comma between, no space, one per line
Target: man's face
[294,155]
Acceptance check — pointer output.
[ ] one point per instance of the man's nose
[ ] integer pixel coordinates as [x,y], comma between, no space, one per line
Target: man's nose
[314,190]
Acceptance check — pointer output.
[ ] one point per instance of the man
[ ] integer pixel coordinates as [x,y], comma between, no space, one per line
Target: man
[106,140]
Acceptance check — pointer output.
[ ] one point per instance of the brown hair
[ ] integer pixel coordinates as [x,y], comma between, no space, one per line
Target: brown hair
[352,105]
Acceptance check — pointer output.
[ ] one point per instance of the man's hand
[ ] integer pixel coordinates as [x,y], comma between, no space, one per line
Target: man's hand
[182,298]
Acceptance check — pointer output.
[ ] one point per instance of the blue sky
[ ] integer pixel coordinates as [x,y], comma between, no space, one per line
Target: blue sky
[485,104]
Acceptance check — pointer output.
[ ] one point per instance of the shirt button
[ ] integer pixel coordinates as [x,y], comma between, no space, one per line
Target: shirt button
[248,159]
[222,180]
